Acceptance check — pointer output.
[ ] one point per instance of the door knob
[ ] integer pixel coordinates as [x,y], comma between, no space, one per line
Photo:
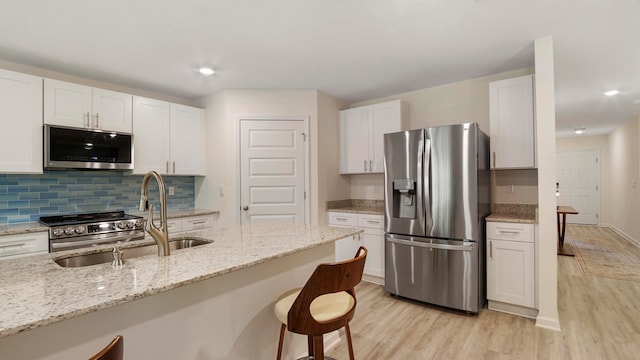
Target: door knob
[245,208]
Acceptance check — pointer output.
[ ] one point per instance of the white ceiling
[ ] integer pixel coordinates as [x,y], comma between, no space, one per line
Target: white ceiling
[351,49]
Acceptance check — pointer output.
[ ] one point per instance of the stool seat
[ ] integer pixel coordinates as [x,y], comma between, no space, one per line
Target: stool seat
[323,308]
[326,303]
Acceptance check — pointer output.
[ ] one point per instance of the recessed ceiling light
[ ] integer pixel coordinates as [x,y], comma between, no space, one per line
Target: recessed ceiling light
[612,92]
[206,71]
[579,131]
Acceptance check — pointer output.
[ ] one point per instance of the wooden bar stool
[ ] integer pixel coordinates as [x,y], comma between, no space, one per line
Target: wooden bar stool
[326,303]
[113,351]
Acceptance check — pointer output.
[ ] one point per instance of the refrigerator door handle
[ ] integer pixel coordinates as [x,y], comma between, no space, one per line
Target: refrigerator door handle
[427,187]
[461,247]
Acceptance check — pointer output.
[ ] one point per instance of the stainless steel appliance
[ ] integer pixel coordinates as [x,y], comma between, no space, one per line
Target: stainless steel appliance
[437,196]
[68,232]
[76,148]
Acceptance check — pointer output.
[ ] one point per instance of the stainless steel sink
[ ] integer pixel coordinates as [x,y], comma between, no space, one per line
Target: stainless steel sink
[128,253]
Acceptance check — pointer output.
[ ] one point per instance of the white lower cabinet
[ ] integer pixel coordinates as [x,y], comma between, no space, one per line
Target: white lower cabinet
[176,226]
[13,246]
[511,267]
[372,239]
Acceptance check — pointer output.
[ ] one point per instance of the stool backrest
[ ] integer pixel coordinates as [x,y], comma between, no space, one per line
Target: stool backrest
[326,279]
[113,351]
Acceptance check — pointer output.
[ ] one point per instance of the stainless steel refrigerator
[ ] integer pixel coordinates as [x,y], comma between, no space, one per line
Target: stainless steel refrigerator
[437,195]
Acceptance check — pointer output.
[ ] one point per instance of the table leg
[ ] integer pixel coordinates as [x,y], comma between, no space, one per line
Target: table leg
[562,226]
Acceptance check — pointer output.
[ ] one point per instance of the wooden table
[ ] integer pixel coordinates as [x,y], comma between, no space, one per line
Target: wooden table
[562,248]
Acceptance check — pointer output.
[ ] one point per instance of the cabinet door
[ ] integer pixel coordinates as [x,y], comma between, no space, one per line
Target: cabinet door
[21,112]
[187,140]
[354,141]
[111,110]
[345,248]
[510,272]
[373,240]
[197,222]
[385,118]
[13,246]
[67,104]
[151,136]
[511,121]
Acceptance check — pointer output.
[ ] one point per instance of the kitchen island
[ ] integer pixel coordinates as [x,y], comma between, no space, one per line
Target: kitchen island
[209,302]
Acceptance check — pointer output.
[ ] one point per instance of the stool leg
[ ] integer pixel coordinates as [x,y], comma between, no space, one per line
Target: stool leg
[310,345]
[348,331]
[282,329]
[318,348]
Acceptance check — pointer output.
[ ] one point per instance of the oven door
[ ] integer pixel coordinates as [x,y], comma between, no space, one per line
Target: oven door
[93,240]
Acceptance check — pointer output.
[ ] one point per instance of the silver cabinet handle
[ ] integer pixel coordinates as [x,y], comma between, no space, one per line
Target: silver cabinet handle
[167,166]
[199,222]
[509,232]
[370,167]
[373,221]
[490,249]
[88,123]
[494,159]
[341,219]
[174,167]
[97,120]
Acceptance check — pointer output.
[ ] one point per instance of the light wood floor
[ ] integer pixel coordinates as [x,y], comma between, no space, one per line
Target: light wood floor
[600,319]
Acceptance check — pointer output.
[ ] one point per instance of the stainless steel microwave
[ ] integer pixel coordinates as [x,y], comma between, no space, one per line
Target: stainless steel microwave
[78,148]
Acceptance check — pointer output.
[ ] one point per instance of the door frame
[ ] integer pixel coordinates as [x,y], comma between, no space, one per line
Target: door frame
[305,120]
[598,176]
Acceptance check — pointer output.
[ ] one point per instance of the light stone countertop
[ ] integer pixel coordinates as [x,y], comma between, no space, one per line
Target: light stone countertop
[35,291]
[512,218]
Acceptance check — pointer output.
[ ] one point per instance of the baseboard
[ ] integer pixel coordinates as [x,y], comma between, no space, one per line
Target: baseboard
[548,323]
[512,309]
[373,279]
[623,234]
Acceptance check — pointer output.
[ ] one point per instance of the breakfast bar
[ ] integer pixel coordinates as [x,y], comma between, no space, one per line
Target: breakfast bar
[211,301]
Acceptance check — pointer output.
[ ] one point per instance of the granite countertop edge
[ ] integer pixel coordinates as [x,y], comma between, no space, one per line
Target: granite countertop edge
[512,218]
[31,227]
[359,209]
[38,292]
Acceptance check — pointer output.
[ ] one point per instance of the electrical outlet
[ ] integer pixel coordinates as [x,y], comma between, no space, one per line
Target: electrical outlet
[172,191]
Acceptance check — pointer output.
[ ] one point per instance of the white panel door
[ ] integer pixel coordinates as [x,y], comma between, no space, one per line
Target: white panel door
[272,171]
[21,123]
[578,175]
[151,136]
[111,110]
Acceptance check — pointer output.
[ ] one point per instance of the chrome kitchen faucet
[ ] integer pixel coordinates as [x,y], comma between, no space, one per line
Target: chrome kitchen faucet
[159,234]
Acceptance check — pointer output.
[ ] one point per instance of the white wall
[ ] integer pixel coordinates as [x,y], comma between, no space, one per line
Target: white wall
[546,251]
[624,159]
[222,110]
[455,103]
[600,143]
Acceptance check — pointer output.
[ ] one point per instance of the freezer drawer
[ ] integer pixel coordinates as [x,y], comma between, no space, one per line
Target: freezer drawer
[440,272]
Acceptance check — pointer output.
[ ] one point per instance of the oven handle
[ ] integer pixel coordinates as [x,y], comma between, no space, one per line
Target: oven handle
[84,243]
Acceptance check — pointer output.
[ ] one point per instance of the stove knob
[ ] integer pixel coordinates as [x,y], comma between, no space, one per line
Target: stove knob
[139,223]
[68,231]
[120,225]
[79,229]
[58,231]
[130,224]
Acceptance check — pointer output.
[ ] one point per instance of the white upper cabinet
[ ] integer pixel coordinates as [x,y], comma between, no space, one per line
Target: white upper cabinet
[69,104]
[512,123]
[362,132]
[187,140]
[21,123]
[151,135]
[168,138]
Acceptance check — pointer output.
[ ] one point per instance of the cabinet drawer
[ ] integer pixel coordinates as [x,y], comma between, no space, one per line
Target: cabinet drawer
[343,219]
[510,231]
[173,225]
[197,222]
[370,221]
[22,244]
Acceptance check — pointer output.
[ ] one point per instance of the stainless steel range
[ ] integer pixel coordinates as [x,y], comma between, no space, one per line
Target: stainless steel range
[68,232]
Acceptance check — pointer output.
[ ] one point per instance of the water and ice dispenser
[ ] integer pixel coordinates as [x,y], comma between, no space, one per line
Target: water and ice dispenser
[404,198]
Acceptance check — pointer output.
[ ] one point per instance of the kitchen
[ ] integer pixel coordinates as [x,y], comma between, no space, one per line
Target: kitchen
[222,107]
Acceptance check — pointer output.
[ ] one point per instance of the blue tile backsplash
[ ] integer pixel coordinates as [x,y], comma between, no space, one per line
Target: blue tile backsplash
[24,198]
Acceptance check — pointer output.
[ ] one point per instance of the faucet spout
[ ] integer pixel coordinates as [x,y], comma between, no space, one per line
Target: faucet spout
[158,233]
